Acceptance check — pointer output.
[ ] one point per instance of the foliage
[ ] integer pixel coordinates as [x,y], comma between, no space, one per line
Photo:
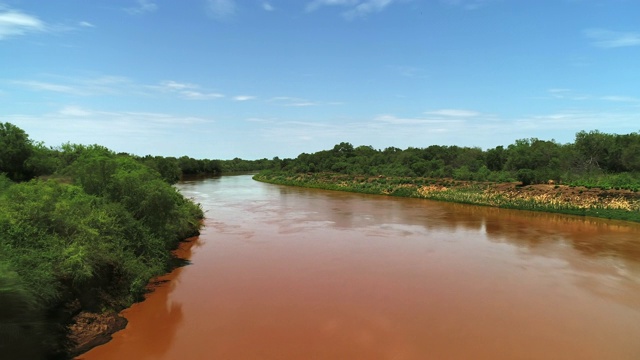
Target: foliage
[93,229]
[624,181]
[168,167]
[43,160]
[531,161]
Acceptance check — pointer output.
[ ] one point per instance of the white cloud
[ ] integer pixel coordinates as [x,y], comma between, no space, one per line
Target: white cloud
[14,23]
[366,7]
[289,101]
[74,111]
[379,131]
[91,86]
[575,120]
[267,6]
[243,97]
[48,86]
[623,99]
[197,95]
[454,113]
[173,85]
[221,9]
[568,94]
[119,85]
[187,91]
[143,6]
[357,8]
[135,132]
[612,39]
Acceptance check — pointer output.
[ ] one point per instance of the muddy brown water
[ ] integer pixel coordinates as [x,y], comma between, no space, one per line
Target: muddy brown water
[293,273]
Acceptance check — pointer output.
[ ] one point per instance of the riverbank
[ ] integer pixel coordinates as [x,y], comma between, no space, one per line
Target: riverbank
[83,230]
[555,198]
[88,329]
[70,261]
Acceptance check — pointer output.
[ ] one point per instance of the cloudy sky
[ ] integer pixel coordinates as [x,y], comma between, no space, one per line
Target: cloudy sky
[261,78]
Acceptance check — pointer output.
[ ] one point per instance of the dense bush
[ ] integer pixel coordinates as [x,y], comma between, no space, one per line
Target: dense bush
[93,230]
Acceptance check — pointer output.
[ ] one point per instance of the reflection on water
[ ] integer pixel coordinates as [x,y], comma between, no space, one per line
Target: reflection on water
[589,235]
[291,273]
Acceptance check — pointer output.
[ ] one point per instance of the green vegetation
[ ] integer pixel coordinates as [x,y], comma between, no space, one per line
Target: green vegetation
[172,169]
[594,157]
[595,160]
[88,233]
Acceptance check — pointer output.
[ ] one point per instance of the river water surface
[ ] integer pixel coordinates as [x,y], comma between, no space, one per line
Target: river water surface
[293,273]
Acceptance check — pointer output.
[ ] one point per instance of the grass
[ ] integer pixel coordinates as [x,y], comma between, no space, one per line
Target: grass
[583,203]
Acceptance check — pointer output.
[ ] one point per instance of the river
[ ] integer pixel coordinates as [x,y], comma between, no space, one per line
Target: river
[292,273]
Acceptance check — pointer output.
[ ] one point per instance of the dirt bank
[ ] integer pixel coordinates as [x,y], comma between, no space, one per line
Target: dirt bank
[89,330]
[568,194]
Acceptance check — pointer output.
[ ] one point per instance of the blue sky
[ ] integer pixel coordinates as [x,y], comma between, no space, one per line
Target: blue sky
[262,78]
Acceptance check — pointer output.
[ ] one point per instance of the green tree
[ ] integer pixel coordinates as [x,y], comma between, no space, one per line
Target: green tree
[167,167]
[540,159]
[15,149]
[594,146]
[628,148]
[631,157]
[344,149]
[43,160]
[496,158]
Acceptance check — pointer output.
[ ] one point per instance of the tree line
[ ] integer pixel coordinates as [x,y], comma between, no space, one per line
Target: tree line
[594,158]
[23,159]
[173,169]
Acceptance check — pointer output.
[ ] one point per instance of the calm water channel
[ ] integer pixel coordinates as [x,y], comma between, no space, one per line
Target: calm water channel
[292,273]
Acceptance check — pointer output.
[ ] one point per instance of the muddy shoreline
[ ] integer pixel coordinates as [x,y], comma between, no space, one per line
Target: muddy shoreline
[89,330]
